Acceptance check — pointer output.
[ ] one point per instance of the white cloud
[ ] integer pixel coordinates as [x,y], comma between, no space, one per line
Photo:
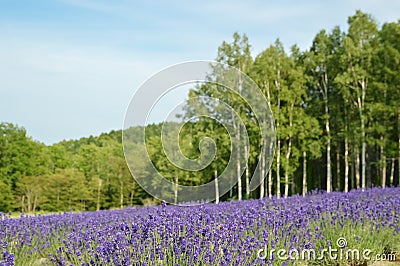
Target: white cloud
[74,78]
[64,91]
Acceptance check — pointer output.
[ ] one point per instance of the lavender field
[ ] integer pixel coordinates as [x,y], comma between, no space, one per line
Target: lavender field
[230,233]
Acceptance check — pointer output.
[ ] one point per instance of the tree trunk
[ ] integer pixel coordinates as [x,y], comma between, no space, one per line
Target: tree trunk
[216,187]
[293,187]
[270,183]
[383,162]
[357,167]
[347,182]
[176,190]
[353,176]
[328,132]
[278,165]
[133,189]
[22,203]
[369,168]
[29,202]
[328,154]
[346,165]
[230,177]
[287,169]
[392,172]
[98,194]
[34,204]
[270,170]
[131,198]
[262,176]
[398,137]
[266,186]
[121,194]
[246,154]
[286,184]
[363,155]
[231,188]
[288,151]
[278,157]
[304,173]
[364,144]
[239,177]
[338,188]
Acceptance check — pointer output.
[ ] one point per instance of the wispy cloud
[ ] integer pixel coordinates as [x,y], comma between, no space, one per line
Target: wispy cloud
[69,66]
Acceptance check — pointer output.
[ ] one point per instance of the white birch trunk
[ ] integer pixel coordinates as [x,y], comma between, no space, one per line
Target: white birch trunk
[246,155]
[216,187]
[98,194]
[262,177]
[278,165]
[346,165]
[338,169]
[392,172]
[304,173]
[398,137]
[357,167]
[270,183]
[364,144]
[328,153]
[288,151]
[383,162]
[176,190]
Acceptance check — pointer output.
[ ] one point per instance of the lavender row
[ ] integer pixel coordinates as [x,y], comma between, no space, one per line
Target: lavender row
[229,233]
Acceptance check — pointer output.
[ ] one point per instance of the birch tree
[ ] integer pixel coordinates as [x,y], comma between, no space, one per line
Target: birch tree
[358,50]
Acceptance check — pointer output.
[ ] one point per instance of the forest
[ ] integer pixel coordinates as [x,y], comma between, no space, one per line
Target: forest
[336,107]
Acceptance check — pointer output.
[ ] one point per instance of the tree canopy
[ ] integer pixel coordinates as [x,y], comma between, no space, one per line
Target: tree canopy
[337,114]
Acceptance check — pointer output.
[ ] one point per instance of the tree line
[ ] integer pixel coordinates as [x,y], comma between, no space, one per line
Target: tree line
[337,114]
[336,108]
[85,174]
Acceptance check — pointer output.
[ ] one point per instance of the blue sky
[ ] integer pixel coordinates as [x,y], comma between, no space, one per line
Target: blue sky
[68,68]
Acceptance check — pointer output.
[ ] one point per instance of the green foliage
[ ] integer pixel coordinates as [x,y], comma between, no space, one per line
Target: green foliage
[6,196]
[333,104]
